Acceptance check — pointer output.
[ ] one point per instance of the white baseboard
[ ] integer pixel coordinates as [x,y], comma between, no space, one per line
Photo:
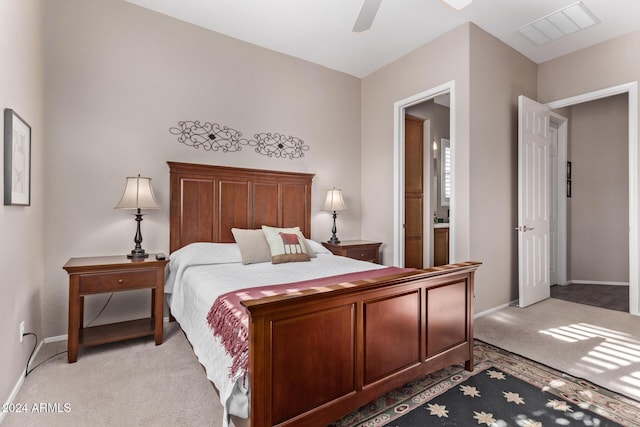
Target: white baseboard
[55,339]
[18,386]
[595,282]
[494,309]
[13,395]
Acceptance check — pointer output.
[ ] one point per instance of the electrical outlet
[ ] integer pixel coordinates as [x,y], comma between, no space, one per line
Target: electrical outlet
[21,330]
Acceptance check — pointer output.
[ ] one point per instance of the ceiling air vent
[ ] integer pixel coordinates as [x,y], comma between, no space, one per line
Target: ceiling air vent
[565,21]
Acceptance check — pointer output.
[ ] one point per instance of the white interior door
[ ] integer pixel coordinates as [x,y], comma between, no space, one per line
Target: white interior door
[534,198]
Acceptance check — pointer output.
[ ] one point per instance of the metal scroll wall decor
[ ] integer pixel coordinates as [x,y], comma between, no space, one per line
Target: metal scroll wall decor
[213,137]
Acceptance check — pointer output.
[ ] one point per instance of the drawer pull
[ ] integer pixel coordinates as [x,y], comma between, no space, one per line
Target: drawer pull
[120,280]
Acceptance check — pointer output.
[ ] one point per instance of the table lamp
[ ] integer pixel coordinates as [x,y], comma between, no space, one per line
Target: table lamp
[334,203]
[138,194]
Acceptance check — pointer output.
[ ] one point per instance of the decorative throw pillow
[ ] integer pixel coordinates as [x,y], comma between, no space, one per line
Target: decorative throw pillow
[286,244]
[253,245]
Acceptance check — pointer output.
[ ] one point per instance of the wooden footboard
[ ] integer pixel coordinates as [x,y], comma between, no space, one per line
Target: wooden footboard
[319,355]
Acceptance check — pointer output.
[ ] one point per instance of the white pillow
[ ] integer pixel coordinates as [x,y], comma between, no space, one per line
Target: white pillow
[317,248]
[253,245]
[200,253]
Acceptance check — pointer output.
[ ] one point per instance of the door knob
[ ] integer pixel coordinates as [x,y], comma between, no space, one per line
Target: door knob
[524,228]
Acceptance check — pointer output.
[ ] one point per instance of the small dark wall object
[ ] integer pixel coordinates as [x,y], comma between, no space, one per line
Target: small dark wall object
[568,179]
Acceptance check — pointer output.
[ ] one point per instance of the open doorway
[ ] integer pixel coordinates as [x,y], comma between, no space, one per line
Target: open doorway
[441,93]
[427,182]
[633,161]
[597,198]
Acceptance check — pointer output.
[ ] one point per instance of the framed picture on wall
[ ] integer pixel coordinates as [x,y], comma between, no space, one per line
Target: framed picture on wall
[17,160]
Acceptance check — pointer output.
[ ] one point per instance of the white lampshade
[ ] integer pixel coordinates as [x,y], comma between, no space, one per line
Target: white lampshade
[334,201]
[138,194]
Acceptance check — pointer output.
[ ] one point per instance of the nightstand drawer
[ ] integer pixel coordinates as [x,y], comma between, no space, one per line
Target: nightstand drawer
[362,250]
[363,254]
[118,281]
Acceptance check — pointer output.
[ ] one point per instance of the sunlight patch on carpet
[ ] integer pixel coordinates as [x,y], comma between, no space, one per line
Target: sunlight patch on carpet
[613,351]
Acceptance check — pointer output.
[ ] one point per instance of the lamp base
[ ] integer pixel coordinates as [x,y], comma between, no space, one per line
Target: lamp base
[136,254]
[334,239]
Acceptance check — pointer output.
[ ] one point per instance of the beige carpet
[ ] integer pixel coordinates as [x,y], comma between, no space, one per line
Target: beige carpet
[133,383]
[599,345]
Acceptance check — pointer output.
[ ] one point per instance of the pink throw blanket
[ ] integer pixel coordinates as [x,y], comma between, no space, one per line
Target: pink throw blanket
[228,319]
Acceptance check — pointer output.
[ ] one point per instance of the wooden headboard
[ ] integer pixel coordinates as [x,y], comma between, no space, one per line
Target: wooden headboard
[206,201]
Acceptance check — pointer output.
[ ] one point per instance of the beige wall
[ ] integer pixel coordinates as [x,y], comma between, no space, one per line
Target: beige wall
[436,63]
[598,211]
[604,65]
[498,75]
[21,228]
[488,76]
[118,77]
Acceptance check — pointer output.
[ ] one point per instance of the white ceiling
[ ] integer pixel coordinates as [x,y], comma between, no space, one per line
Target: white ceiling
[320,30]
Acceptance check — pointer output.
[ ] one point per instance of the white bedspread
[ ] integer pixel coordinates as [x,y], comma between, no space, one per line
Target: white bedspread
[201,272]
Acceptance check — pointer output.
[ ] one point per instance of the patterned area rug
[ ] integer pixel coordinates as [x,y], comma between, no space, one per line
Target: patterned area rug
[503,390]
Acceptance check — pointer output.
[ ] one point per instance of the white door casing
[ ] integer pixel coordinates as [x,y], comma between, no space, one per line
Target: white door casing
[559,125]
[534,158]
[553,206]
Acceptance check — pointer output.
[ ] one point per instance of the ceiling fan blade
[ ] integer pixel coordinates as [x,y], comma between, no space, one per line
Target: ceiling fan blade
[367,14]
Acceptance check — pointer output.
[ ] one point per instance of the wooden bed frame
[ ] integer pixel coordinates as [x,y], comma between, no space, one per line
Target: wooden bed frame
[320,355]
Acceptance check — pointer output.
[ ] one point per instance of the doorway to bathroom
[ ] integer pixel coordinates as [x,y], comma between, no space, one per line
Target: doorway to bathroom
[424,200]
[427,182]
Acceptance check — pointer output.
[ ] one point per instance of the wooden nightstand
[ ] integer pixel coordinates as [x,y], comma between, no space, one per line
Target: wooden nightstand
[362,250]
[97,275]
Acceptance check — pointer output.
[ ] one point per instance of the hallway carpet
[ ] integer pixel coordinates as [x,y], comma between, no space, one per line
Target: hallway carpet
[604,296]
